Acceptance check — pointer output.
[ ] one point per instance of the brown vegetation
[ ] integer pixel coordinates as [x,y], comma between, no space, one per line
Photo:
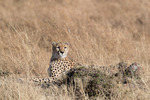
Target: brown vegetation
[100,32]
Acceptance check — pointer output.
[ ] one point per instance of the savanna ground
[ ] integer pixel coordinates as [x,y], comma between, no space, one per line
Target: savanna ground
[100,32]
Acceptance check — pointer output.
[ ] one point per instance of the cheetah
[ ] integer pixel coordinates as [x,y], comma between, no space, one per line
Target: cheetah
[59,65]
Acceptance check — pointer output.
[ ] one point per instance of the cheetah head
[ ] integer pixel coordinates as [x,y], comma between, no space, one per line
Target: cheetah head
[60,50]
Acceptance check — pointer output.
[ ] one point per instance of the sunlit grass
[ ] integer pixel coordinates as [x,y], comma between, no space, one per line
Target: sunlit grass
[99,32]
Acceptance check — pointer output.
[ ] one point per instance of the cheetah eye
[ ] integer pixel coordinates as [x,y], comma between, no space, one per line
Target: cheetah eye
[58,47]
[65,47]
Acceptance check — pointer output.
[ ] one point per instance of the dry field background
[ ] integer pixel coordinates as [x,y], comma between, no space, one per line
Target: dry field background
[100,32]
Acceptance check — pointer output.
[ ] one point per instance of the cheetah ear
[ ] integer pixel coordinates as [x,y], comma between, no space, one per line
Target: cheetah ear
[54,43]
[67,43]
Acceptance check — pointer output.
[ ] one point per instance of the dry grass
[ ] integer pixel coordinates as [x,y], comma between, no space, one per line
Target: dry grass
[100,32]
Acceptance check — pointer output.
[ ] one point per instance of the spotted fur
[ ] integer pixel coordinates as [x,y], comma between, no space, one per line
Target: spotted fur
[60,64]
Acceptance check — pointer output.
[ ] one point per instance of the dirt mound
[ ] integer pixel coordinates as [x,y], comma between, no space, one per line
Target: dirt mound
[98,84]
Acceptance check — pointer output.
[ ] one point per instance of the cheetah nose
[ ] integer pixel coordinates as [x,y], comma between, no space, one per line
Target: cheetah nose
[61,52]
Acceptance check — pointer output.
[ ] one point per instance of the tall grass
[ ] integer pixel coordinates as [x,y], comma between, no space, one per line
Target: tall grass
[100,32]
